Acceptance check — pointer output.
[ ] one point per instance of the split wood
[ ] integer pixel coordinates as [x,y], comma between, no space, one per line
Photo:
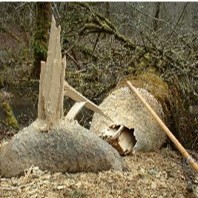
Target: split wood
[182,150]
[78,97]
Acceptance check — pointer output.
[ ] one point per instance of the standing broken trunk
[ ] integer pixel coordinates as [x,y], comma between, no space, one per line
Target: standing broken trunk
[51,87]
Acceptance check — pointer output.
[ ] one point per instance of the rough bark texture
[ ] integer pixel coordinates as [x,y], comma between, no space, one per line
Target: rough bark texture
[66,148]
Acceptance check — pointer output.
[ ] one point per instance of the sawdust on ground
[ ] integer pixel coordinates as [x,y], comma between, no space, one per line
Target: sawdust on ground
[150,175]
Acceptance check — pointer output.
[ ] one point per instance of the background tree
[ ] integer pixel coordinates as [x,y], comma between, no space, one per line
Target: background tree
[41,35]
[156,17]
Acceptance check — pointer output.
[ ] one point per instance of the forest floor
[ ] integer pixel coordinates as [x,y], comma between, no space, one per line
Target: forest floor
[150,175]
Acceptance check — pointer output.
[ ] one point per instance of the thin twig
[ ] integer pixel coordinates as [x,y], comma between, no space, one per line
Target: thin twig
[178,21]
[96,42]
[74,60]
[71,47]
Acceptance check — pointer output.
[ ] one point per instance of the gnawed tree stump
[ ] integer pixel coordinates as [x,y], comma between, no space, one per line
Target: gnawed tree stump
[133,129]
[51,85]
[53,142]
[68,147]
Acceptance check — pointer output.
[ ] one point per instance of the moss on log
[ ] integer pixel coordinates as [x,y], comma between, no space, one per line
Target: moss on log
[151,82]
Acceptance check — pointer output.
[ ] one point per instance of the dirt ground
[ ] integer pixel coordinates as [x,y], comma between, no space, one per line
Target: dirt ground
[150,175]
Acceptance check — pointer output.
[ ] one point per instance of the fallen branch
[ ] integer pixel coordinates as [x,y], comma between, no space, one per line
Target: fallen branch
[74,60]
[100,24]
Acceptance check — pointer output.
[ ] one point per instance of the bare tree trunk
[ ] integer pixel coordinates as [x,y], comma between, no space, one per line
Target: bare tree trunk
[194,17]
[156,17]
[41,35]
[107,10]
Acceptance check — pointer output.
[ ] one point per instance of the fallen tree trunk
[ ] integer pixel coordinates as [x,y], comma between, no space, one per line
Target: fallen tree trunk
[133,129]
